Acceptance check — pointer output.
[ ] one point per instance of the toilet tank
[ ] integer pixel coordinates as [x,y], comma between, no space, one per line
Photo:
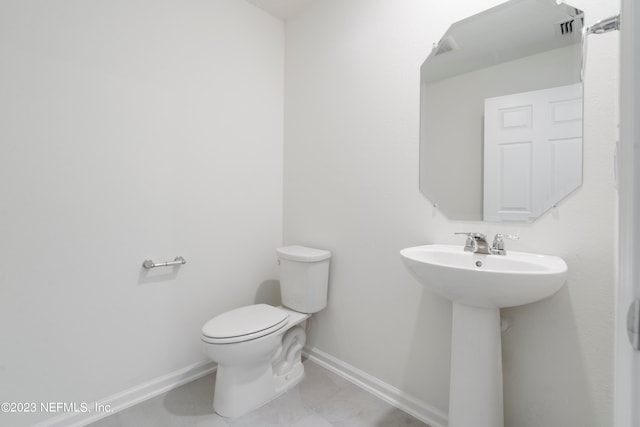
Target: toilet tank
[304,278]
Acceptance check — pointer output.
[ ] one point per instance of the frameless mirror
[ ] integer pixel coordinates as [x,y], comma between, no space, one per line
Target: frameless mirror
[501,112]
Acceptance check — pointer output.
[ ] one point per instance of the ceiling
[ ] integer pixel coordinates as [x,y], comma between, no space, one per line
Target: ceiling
[283,9]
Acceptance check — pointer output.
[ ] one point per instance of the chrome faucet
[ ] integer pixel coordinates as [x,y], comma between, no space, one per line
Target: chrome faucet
[477,243]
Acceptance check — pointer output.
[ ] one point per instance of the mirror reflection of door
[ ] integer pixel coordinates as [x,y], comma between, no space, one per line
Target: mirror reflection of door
[516,47]
[532,151]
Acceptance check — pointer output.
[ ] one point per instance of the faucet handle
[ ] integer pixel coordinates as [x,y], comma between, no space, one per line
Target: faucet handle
[501,236]
[498,243]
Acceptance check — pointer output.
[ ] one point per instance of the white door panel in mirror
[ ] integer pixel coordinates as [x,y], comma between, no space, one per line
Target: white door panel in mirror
[532,152]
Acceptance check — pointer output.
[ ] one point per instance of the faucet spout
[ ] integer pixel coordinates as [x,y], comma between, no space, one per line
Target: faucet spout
[476,243]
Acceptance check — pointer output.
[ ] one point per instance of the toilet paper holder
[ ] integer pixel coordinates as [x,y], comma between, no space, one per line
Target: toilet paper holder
[148,264]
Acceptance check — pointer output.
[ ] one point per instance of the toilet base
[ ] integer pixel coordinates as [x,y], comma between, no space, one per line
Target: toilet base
[286,382]
[240,389]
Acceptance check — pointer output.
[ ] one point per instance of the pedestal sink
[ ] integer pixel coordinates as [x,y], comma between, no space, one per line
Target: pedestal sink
[479,285]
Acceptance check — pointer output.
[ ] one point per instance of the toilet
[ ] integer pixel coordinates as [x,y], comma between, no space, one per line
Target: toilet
[258,347]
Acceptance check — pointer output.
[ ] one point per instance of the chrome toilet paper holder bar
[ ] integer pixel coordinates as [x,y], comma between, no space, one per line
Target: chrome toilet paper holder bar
[148,264]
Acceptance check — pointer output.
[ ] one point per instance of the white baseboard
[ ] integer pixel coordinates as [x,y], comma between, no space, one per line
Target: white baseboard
[390,394]
[119,401]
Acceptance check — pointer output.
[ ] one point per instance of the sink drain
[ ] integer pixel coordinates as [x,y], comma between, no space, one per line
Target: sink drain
[478,263]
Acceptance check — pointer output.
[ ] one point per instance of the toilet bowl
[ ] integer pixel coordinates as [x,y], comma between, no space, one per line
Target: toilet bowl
[258,347]
[248,374]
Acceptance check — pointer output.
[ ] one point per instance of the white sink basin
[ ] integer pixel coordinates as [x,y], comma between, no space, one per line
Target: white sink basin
[491,281]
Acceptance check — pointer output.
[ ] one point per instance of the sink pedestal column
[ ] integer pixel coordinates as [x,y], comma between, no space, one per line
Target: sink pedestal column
[475,397]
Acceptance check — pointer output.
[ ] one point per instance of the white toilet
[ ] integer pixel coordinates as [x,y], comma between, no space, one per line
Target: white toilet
[258,347]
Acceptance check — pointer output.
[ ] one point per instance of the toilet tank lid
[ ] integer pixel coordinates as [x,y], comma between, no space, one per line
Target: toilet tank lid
[302,253]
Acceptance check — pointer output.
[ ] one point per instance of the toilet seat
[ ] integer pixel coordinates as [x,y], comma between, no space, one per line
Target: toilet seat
[244,324]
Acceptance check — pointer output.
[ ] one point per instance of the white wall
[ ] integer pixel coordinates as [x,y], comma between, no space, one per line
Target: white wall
[351,186]
[131,129]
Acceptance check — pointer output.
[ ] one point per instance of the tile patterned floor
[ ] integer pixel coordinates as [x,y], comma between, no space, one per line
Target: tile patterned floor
[322,399]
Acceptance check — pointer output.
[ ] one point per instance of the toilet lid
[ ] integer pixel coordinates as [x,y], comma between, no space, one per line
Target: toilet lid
[244,323]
